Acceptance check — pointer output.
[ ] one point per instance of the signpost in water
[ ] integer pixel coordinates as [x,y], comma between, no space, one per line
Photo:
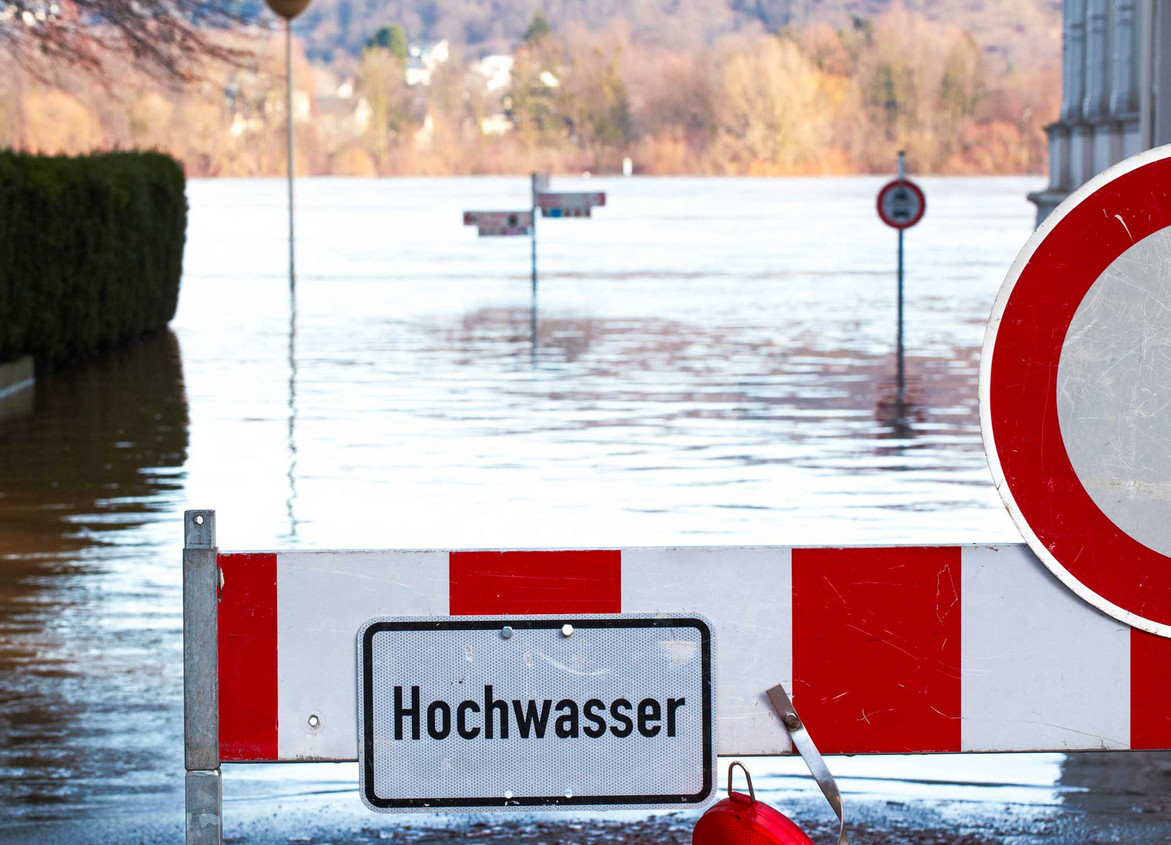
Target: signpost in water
[574,204]
[901,205]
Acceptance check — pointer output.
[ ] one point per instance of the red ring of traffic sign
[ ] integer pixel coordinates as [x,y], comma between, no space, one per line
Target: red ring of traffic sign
[917,204]
[1074,348]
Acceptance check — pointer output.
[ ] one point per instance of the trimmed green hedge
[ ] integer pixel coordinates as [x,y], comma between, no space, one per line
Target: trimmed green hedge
[91,250]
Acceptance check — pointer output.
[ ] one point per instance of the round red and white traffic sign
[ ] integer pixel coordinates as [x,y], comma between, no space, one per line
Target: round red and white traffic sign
[901,203]
[1075,392]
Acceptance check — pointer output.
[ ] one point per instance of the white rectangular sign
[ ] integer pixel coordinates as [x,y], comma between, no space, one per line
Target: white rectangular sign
[499,219]
[502,231]
[526,712]
[576,204]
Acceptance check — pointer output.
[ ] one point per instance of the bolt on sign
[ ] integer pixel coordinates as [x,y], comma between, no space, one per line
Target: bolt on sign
[1075,392]
[523,712]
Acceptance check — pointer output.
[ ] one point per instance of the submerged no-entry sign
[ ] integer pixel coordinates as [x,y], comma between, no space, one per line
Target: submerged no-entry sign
[525,712]
[901,202]
[1075,392]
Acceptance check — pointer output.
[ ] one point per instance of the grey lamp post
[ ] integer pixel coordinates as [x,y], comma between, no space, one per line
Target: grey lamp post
[289,9]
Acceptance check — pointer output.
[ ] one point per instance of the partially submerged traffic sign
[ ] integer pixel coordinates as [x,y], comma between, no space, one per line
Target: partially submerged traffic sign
[573,204]
[901,205]
[1075,392]
[901,202]
[522,712]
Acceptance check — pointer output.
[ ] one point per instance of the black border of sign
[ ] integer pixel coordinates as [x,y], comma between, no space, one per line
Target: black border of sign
[529,623]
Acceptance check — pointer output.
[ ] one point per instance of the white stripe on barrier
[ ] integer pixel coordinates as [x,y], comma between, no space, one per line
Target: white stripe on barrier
[748,596]
[322,600]
[1041,669]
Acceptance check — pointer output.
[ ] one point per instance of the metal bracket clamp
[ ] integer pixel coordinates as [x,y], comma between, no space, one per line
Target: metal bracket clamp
[781,702]
[201,722]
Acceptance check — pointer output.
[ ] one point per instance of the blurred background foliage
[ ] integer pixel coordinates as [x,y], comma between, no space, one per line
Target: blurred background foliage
[768,87]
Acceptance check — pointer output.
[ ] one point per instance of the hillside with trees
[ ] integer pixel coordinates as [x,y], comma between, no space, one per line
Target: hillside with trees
[1017,32]
[719,87]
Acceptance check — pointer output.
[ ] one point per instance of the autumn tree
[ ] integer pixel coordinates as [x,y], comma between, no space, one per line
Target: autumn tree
[531,102]
[673,95]
[592,99]
[381,83]
[390,38]
[772,112]
[538,30]
[962,83]
[454,98]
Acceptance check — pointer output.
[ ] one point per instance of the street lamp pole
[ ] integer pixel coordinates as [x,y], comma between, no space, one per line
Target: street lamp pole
[289,9]
[289,124]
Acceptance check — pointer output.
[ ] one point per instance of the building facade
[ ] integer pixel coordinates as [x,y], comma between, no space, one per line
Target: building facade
[1116,90]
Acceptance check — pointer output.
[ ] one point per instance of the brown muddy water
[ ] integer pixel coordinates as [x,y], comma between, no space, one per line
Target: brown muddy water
[713,366]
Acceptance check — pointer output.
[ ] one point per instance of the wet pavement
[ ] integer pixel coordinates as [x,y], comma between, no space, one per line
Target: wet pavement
[715,374]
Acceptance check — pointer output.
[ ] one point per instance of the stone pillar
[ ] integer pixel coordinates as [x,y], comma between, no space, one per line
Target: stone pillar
[1073,60]
[1094,105]
[1123,94]
[1059,176]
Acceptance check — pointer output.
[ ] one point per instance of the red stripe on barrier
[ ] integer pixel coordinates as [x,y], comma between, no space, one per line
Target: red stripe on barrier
[248,658]
[876,648]
[536,582]
[1150,690]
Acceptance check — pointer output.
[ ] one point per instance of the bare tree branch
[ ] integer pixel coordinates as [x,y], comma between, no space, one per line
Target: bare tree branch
[170,37]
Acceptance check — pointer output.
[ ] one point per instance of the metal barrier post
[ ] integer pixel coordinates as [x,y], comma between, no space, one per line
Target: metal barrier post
[201,718]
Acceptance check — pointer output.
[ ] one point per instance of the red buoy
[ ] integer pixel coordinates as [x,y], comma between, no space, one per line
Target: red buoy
[740,819]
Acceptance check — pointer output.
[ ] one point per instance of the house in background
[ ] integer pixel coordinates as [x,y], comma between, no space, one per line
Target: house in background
[1116,91]
[494,74]
[495,71]
[423,59]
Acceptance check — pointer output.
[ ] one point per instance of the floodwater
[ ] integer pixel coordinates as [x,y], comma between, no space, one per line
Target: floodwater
[713,364]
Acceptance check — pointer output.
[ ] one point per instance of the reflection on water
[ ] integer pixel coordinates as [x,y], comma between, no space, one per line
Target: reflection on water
[1118,785]
[292,473]
[88,654]
[714,375]
[938,400]
[17,404]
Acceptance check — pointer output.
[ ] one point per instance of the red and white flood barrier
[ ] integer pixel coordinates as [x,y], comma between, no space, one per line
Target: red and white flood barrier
[886,650]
